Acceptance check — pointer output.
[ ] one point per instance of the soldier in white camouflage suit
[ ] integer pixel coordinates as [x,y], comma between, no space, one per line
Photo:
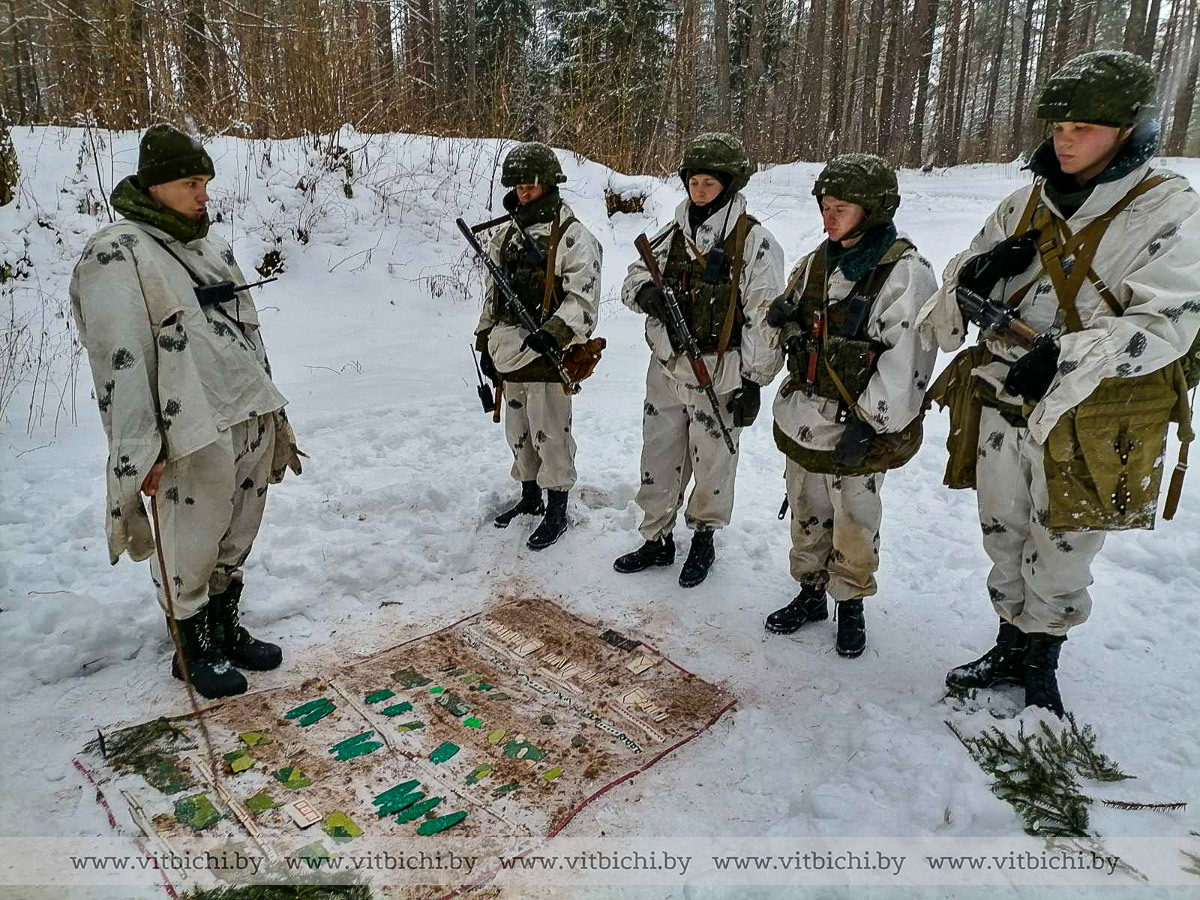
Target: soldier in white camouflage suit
[565,304]
[1101,257]
[724,268]
[187,402]
[848,315]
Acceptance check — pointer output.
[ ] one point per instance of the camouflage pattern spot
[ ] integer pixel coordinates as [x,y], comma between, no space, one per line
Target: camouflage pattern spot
[515,404]
[105,401]
[541,437]
[128,241]
[1175,313]
[993,527]
[189,501]
[1137,345]
[122,359]
[247,484]
[996,440]
[996,595]
[227,256]
[262,490]
[174,344]
[647,478]
[115,512]
[649,408]
[1067,366]
[172,494]
[124,468]
[172,408]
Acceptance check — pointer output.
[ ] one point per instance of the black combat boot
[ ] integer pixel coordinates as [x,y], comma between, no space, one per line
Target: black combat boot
[1000,665]
[1038,667]
[810,605]
[530,504]
[228,635]
[553,525]
[211,673]
[699,559]
[658,552]
[851,628]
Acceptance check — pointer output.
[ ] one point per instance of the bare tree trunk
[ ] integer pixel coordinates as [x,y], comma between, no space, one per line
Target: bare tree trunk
[1062,34]
[1134,25]
[887,93]
[837,69]
[752,136]
[947,79]
[814,78]
[195,55]
[1150,32]
[870,88]
[721,46]
[988,129]
[1186,98]
[472,51]
[1018,133]
[917,129]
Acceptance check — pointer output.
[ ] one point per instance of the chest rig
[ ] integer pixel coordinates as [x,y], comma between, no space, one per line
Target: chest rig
[539,289]
[829,354]
[710,300]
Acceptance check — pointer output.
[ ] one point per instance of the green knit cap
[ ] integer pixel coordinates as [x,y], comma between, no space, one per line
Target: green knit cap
[167,154]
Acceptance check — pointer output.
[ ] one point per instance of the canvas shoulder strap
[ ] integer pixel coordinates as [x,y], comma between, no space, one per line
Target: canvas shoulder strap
[740,230]
[1056,242]
[557,230]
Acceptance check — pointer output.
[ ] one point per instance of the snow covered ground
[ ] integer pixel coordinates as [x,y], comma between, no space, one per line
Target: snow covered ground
[388,533]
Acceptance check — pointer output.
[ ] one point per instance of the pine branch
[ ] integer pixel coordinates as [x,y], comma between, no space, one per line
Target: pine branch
[1156,807]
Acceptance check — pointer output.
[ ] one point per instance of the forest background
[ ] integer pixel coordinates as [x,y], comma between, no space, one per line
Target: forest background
[623,82]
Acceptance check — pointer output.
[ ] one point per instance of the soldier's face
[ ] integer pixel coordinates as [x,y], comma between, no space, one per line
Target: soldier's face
[840,217]
[703,189]
[186,196]
[1084,149]
[527,193]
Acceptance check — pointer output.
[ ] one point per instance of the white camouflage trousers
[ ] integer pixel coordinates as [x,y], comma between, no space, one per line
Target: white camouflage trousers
[1039,579]
[835,530]
[681,440]
[537,423]
[210,505]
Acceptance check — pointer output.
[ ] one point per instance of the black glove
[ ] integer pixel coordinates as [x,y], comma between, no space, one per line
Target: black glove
[540,342]
[1030,376]
[745,404]
[487,367]
[1010,257]
[781,311]
[852,446]
[651,301]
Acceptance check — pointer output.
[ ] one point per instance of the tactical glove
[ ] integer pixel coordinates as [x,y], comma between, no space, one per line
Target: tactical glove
[488,367]
[1010,257]
[651,301]
[745,404]
[781,311]
[852,446]
[541,342]
[1030,376]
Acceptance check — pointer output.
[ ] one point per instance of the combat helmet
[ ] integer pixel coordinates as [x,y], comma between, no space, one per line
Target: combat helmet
[1104,87]
[531,163]
[863,179]
[716,151]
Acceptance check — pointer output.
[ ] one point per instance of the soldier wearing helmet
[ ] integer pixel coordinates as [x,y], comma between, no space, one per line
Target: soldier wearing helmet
[724,268]
[1065,441]
[553,262]
[850,407]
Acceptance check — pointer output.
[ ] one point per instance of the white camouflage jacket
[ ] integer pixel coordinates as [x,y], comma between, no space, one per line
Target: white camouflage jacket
[893,396]
[577,263]
[164,369]
[1149,258]
[759,359]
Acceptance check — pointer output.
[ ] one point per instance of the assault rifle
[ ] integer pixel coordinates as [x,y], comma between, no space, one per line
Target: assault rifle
[682,335]
[224,291]
[514,302]
[991,316]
